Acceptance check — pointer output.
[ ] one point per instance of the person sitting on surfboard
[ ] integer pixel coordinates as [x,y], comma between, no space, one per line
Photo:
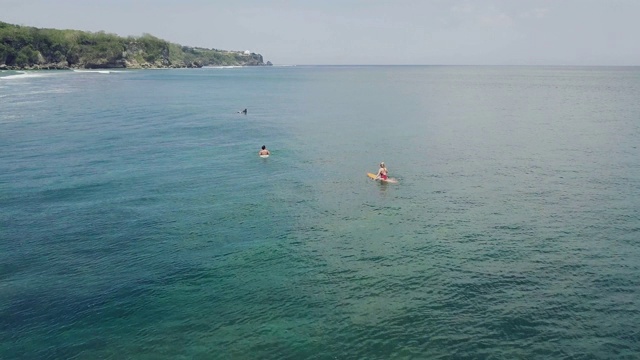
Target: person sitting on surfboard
[382,172]
[264,151]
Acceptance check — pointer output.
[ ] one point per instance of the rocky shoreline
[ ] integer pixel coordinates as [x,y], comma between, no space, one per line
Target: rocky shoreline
[125,63]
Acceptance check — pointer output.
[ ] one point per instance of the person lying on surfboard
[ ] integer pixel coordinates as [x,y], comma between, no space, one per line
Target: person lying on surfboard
[264,151]
[382,172]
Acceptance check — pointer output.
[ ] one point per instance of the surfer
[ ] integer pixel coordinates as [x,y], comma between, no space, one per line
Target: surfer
[264,151]
[382,172]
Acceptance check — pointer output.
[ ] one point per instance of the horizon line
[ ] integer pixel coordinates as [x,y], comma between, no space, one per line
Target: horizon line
[488,65]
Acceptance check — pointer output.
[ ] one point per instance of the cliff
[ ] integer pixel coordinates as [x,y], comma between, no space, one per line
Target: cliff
[23,47]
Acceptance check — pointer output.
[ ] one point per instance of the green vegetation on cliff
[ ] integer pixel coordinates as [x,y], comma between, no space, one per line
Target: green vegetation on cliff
[23,47]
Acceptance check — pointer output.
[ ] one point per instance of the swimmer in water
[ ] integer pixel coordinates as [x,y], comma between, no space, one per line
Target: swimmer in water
[264,151]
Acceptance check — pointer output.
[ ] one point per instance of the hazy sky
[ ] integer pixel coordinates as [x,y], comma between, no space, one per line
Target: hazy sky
[495,32]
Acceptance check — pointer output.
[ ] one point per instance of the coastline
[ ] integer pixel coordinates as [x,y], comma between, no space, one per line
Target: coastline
[29,48]
[38,67]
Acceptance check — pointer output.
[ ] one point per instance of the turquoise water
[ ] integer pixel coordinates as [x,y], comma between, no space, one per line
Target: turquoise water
[138,221]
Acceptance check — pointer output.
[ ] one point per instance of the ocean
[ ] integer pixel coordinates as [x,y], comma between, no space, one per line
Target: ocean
[138,222]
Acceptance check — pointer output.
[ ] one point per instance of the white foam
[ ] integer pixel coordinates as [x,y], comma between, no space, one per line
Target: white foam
[223,67]
[29,74]
[6,119]
[19,75]
[93,71]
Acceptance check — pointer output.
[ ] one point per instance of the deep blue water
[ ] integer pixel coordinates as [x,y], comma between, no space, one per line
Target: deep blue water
[137,220]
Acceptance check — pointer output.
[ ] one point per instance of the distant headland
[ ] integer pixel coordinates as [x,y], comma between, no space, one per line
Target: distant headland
[30,48]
